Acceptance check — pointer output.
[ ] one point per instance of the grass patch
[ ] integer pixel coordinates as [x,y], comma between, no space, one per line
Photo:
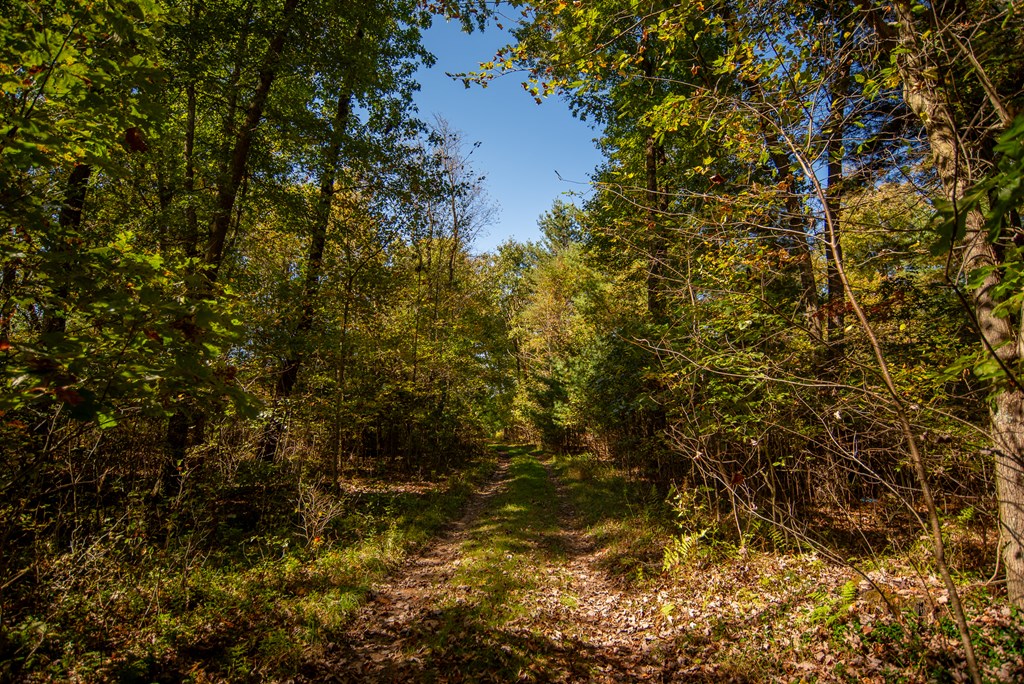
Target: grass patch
[627,518]
[485,627]
[519,530]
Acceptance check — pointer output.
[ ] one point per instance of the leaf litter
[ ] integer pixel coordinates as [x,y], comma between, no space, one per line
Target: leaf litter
[540,604]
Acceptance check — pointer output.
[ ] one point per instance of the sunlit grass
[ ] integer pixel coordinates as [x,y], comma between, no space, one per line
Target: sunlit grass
[627,519]
[506,546]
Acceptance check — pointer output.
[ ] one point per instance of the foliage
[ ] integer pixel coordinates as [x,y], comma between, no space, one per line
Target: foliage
[200,201]
[237,274]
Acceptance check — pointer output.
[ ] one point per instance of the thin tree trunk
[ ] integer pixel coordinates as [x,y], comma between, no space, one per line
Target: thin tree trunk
[453,207]
[341,379]
[657,203]
[797,225]
[289,374]
[8,277]
[658,245]
[834,200]
[191,221]
[1008,435]
[55,318]
[227,190]
[416,317]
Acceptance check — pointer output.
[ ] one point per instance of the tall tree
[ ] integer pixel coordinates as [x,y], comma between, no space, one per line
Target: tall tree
[962,112]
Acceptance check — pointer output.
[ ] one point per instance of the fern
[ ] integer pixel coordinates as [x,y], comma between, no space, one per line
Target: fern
[683,548]
[831,610]
[848,593]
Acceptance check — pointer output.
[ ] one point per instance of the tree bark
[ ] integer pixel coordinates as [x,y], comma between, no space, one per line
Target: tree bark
[55,318]
[8,277]
[191,220]
[227,191]
[797,225]
[657,201]
[933,103]
[834,200]
[1008,435]
[658,245]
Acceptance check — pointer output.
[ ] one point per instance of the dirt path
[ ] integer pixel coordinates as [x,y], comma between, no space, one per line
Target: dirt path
[402,609]
[513,593]
[618,628]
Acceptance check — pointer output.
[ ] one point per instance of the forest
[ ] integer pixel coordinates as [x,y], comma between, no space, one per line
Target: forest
[751,411]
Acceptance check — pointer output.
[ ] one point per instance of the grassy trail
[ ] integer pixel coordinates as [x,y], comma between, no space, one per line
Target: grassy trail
[515,593]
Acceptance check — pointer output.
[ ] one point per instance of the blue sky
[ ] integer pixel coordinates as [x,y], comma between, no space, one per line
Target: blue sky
[522,144]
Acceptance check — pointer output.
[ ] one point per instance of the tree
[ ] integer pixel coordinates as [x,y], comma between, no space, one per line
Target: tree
[89,313]
[976,69]
[806,105]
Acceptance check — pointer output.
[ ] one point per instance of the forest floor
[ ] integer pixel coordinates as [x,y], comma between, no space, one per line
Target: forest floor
[537,583]
[516,567]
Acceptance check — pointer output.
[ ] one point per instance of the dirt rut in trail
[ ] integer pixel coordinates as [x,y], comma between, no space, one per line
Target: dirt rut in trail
[619,630]
[402,606]
[545,611]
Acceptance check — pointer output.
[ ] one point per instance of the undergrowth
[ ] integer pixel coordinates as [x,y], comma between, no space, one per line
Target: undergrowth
[748,602]
[731,601]
[258,609]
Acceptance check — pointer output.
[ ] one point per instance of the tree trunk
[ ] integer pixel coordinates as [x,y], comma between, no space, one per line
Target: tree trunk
[289,375]
[1008,435]
[834,200]
[227,190]
[176,447]
[657,201]
[658,245]
[797,224]
[55,318]
[341,380]
[933,103]
[8,277]
[191,220]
